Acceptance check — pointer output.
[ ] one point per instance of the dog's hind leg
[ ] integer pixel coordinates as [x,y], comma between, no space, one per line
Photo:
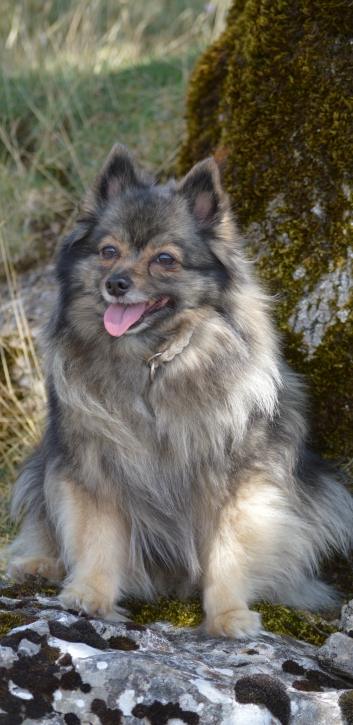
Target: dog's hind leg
[95,550]
[25,568]
[37,556]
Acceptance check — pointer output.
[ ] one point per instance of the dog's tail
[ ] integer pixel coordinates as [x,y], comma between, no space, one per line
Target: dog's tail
[326,506]
[28,503]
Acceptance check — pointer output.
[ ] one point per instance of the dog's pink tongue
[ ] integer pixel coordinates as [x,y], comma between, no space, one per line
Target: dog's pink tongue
[118,318]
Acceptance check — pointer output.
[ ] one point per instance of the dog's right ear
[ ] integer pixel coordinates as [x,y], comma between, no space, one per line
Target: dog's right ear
[119,174]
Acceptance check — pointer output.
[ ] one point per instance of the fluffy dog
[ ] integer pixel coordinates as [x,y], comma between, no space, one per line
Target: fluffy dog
[174,456]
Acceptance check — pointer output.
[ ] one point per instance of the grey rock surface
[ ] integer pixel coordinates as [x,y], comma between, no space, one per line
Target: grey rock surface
[62,669]
[347,617]
[336,655]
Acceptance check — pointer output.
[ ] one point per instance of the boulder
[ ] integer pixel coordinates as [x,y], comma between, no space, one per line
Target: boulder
[60,668]
[336,655]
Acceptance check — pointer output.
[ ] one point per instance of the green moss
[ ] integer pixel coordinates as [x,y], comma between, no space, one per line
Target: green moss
[9,620]
[49,591]
[272,99]
[305,626]
[28,589]
[179,613]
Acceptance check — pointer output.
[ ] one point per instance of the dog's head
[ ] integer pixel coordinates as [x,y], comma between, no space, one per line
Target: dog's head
[143,253]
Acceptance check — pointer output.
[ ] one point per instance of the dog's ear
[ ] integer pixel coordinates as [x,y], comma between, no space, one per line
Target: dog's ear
[202,188]
[119,174]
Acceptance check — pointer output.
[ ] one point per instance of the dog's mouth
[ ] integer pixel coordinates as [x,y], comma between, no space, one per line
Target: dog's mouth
[119,318]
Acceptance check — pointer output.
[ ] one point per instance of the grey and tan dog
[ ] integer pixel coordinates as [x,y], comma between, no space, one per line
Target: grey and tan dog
[174,456]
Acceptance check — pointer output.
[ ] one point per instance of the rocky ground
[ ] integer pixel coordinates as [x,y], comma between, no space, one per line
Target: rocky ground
[57,667]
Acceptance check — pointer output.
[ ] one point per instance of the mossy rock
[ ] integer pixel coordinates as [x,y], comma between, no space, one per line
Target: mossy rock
[27,589]
[276,618]
[180,613]
[304,626]
[9,620]
[272,99]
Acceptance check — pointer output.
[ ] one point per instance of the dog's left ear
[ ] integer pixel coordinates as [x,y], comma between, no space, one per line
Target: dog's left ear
[206,199]
[120,174]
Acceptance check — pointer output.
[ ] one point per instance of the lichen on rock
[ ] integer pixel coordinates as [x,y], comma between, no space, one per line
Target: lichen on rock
[272,99]
[346,705]
[265,690]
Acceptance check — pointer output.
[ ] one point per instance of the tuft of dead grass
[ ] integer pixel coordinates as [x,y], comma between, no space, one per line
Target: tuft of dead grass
[22,393]
[77,75]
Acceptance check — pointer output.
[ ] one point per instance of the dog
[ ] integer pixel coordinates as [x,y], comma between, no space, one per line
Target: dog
[174,456]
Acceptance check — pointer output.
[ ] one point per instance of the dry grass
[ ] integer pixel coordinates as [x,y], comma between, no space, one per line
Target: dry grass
[77,75]
[21,414]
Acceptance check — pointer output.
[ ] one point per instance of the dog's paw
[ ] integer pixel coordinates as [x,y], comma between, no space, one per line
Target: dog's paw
[237,623]
[84,598]
[43,568]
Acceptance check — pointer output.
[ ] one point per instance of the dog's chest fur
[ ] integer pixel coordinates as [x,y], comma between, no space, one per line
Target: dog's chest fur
[137,444]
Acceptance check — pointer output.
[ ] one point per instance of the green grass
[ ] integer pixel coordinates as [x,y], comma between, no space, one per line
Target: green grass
[65,138]
[77,76]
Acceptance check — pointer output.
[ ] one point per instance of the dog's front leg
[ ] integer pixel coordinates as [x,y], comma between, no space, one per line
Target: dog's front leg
[95,549]
[225,586]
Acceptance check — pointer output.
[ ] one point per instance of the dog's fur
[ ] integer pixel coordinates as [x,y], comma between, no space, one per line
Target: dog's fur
[199,479]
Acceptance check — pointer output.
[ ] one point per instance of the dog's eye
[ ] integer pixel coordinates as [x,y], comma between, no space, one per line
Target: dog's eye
[108,252]
[166,259]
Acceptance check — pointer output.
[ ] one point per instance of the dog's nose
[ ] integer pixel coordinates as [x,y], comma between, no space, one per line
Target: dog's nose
[118,286]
